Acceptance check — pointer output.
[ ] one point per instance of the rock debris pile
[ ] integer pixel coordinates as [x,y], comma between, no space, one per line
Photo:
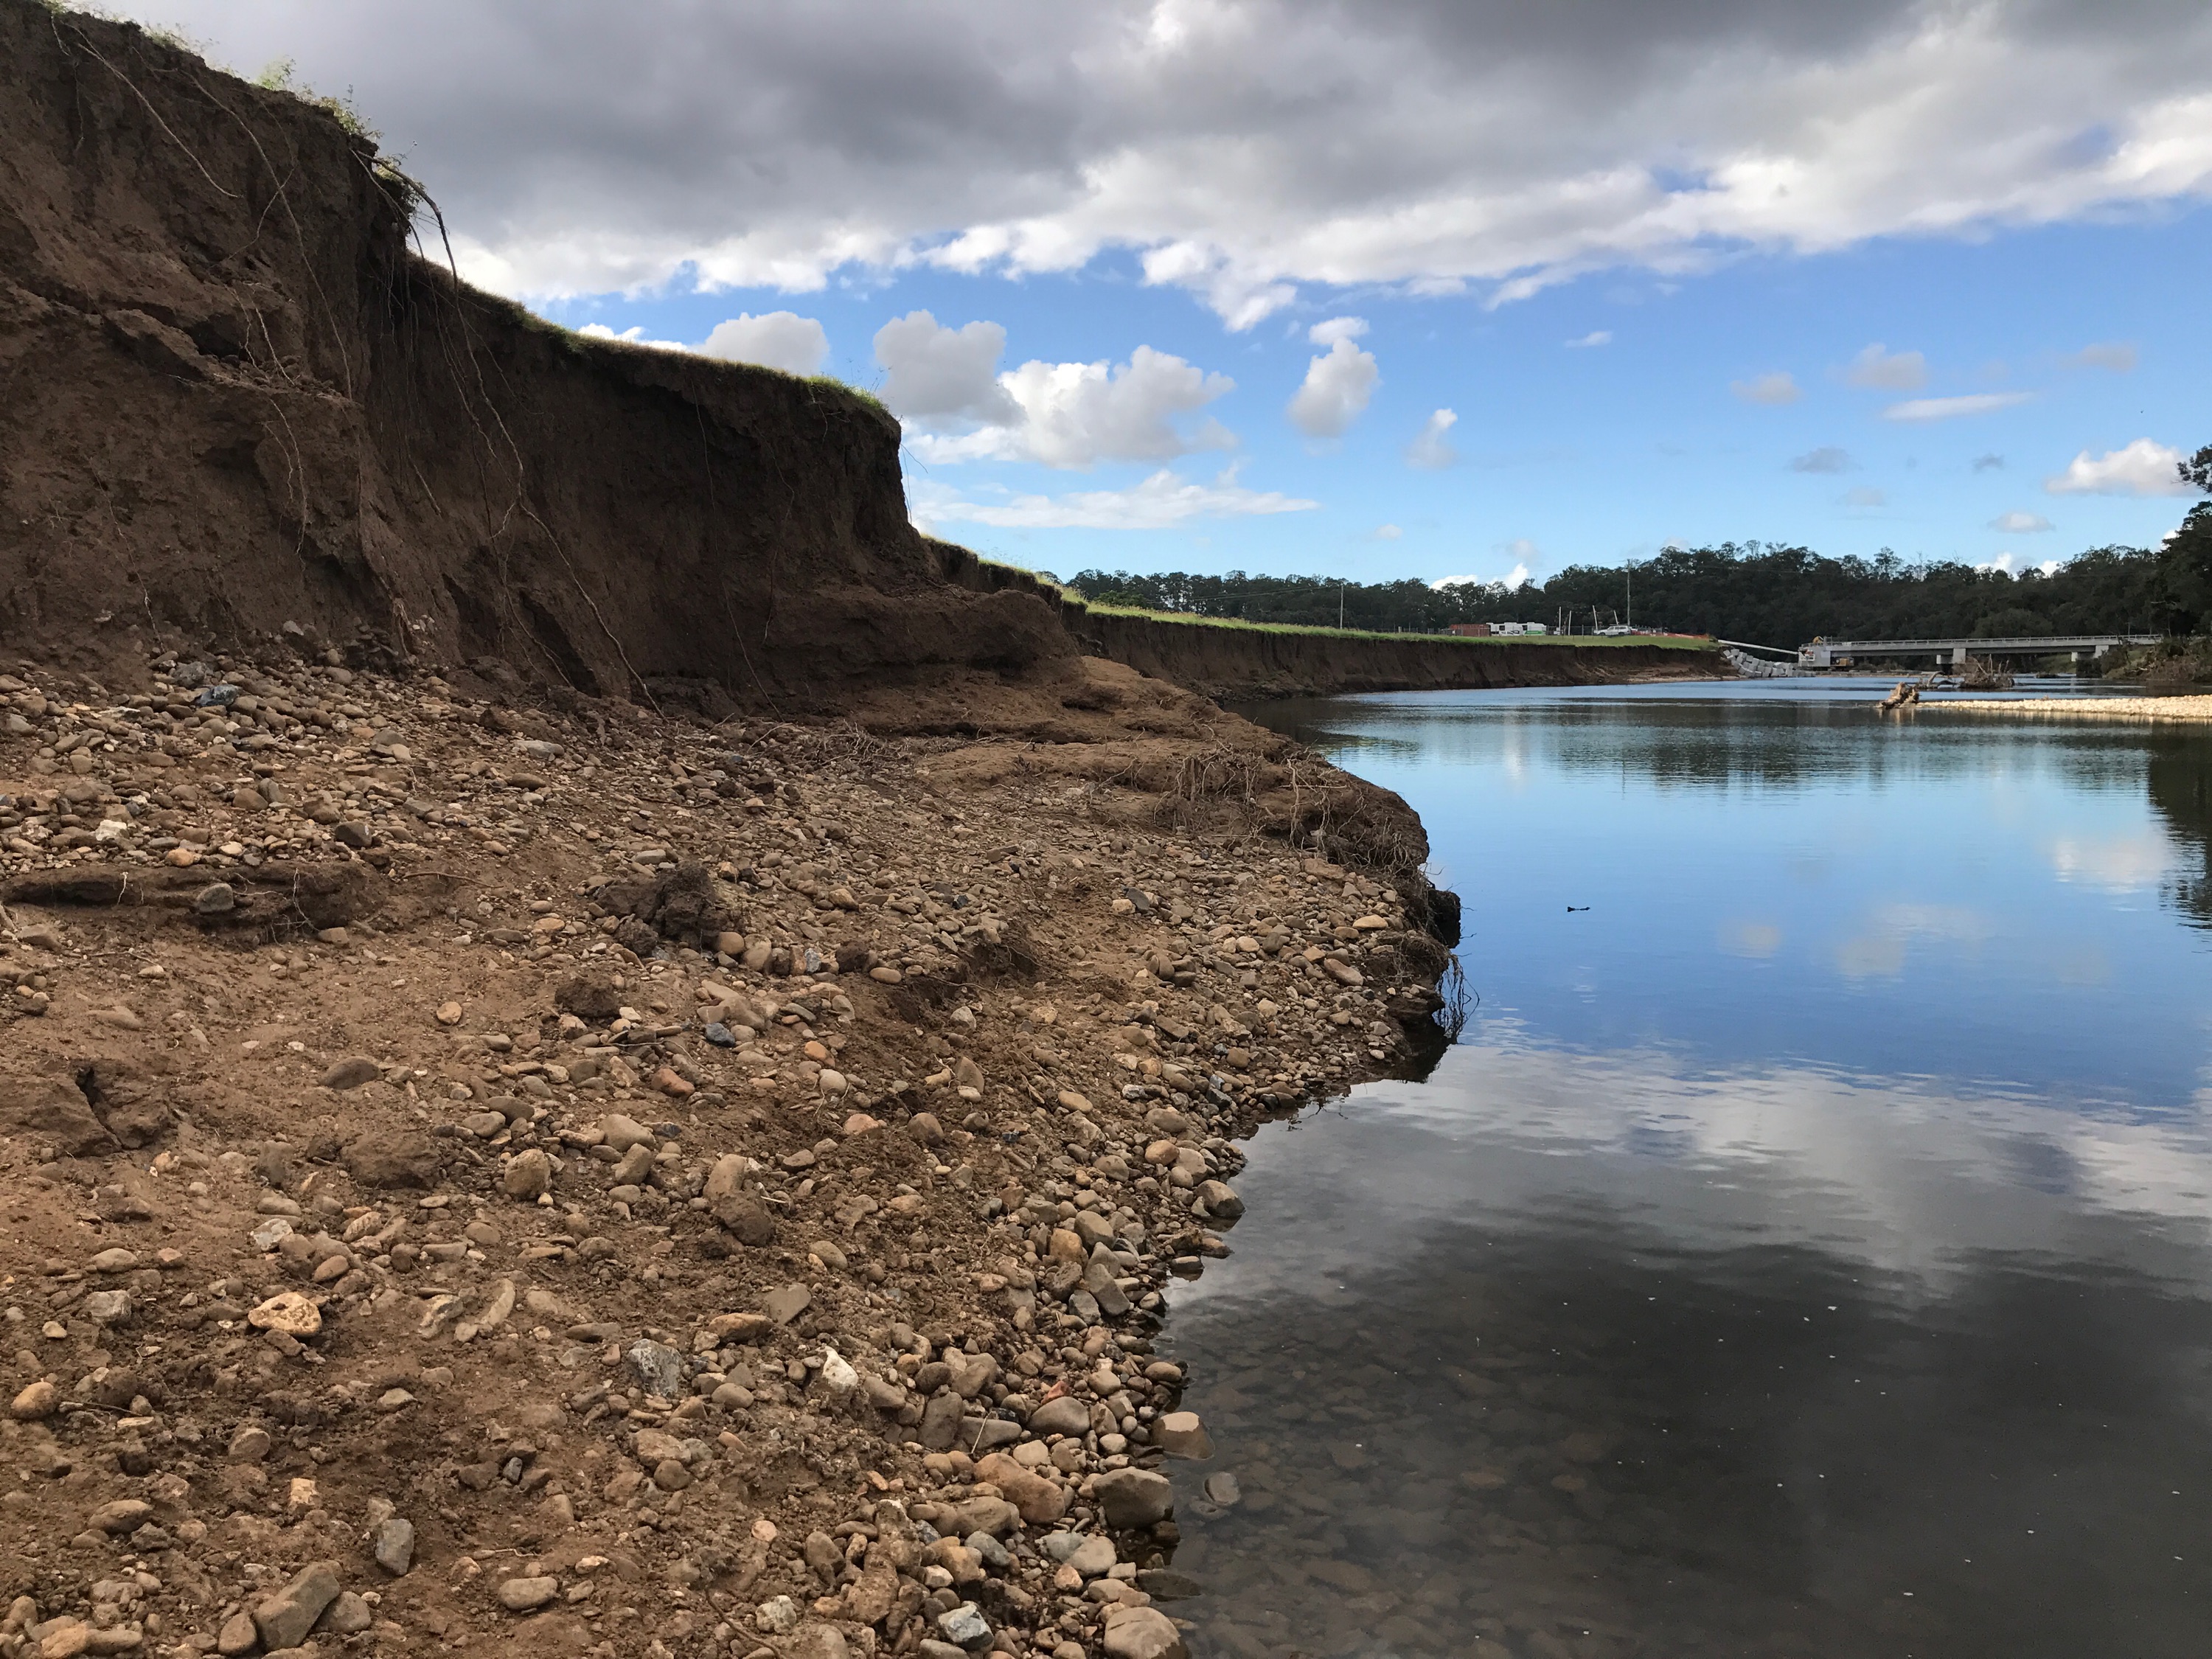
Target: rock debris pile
[567,1179]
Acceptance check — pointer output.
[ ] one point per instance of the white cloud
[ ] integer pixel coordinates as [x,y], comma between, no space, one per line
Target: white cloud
[1385,532]
[1337,328]
[1240,148]
[1879,952]
[1826,459]
[1512,578]
[2118,356]
[1338,384]
[778,339]
[946,383]
[1159,503]
[1596,336]
[633,335]
[1886,370]
[1947,409]
[935,373]
[2019,524]
[2145,467]
[2119,864]
[1865,495]
[1075,414]
[1432,447]
[1775,389]
[1756,940]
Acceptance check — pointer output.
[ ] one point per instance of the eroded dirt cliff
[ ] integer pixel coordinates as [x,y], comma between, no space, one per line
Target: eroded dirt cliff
[235,407]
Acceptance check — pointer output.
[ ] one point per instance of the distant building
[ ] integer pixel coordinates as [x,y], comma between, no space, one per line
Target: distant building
[1471,630]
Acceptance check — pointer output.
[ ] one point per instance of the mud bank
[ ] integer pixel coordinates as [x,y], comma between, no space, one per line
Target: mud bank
[1241,664]
[237,410]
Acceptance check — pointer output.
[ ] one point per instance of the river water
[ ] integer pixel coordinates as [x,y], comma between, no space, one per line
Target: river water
[1804,1251]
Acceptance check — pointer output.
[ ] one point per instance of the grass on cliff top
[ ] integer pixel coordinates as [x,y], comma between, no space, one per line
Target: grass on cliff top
[1667,641]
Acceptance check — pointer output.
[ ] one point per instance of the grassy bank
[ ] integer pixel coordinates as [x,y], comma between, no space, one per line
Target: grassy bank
[1189,619]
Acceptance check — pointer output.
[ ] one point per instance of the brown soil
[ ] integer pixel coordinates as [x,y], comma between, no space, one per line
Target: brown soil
[235,409]
[968,984]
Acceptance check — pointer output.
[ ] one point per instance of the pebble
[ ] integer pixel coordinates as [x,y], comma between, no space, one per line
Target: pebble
[287,1311]
[527,1175]
[1181,1434]
[963,1626]
[109,1307]
[285,1618]
[1142,1633]
[35,1403]
[1130,1498]
[657,1368]
[394,1546]
[350,1073]
[527,1594]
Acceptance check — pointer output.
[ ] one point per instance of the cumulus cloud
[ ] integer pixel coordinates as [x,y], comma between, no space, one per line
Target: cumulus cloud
[1385,532]
[2019,524]
[1887,371]
[1949,409]
[2145,467]
[933,374]
[633,335]
[1338,384]
[2006,562]
[1524,552]
[1431,448]
[1075,414]
[1240,148]
[1337,328]
[946,382]
[1596,336]
[2118,356]
[1772,390]
[1865,496]
[1826,459]
[780,339]
[1161,501]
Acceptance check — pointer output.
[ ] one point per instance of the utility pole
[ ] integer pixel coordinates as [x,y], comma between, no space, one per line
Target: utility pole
[1631,594]
[1340,601]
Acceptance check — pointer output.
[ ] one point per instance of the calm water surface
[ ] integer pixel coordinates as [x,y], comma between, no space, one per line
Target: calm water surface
[1806,1249]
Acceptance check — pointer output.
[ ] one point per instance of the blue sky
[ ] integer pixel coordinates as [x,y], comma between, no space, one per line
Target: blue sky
[1569,452]
[1428,288]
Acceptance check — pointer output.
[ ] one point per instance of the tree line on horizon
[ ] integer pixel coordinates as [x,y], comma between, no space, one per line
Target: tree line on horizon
[1762,592]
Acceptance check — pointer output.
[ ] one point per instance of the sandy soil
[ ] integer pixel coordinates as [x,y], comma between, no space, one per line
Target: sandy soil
[2187,709]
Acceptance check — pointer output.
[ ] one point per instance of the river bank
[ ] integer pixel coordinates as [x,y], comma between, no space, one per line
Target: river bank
[567,1178]
[1231,663]
[600,1055]
[2178,710]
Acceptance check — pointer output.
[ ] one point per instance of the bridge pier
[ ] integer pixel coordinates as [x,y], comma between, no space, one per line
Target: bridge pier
[1959,660]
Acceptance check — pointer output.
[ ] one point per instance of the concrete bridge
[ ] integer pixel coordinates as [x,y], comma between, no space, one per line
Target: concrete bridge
[1952,654]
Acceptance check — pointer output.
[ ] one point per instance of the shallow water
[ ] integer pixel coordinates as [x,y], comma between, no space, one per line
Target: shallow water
[1805,1251]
